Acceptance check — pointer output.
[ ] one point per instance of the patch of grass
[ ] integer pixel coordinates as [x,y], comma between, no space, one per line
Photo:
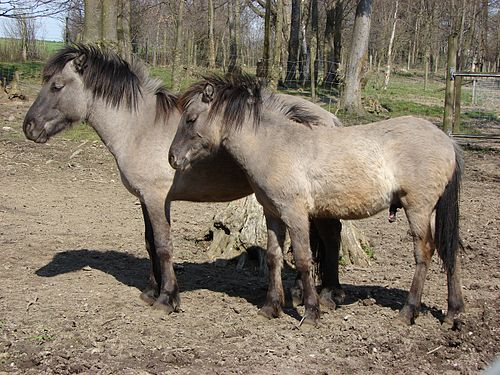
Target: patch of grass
[342,261]
[79,132]
[43,336]
[369,251]
[28,71]
[398,107]
[478,114]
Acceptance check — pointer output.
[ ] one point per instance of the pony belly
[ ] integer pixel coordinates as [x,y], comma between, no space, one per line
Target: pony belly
[352,205]
[348,212]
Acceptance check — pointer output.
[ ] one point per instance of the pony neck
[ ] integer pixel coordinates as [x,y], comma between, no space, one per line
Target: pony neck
[118,127]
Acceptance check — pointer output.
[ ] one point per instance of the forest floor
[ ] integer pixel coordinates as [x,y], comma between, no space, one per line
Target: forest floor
[73,264]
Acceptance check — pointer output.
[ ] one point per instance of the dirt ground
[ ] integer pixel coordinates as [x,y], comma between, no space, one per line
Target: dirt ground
[73,263]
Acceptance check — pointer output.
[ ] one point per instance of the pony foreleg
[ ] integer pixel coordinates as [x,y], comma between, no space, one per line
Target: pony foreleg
[275,243]
[299,236]
[327,260]
[423,250]
[159,212]
[150,293]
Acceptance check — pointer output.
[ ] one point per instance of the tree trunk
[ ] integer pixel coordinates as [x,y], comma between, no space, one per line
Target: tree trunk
[329,44]
[275,71]
[313,43]
[351,97]
[234,35]
[240,229]
[337,42]
[304,75]
[389,48]
[92,21]
[211,42]
[266,53]
[123,30]
[176,68]
[293,43]
[109,18]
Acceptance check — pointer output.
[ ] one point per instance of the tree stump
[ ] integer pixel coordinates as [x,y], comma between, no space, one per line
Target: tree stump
[239,231]
[12,89]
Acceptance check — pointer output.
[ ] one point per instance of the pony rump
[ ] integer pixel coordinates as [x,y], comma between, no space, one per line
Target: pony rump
[447,237]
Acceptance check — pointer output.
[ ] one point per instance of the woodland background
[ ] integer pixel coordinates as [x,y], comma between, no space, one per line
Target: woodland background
[341,41]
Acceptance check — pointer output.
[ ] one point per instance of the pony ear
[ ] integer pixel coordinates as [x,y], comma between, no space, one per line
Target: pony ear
[80,63]
[208,93]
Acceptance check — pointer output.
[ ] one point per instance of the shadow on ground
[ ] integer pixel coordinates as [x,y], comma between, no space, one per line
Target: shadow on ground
[247,283]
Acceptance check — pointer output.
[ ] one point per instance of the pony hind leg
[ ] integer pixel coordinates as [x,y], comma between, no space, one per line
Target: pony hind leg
[327,261]
[455,299]
[298,227]
[151,292]
[275,244]
[423,251]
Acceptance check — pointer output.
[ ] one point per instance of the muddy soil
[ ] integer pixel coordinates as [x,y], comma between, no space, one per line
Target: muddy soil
[73,263]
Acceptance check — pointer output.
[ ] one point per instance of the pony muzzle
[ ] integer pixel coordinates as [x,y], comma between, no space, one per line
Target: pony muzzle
[33,133]
[175,162]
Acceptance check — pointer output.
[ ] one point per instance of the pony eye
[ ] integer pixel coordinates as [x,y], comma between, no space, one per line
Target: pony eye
[56,86]
[191,119]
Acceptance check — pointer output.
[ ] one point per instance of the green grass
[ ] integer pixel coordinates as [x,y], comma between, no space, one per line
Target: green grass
[369,251]
[406,94]
[43,336]
[79,132]
[28,71]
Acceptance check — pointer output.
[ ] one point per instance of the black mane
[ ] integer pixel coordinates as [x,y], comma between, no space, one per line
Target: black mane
[110,77]
[240,95]
[236,96]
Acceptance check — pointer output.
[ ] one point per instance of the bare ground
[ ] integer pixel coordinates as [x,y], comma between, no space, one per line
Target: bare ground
[73,264]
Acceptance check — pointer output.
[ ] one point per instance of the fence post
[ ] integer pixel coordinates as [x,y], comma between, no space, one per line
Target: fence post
[449,99]
[458,98]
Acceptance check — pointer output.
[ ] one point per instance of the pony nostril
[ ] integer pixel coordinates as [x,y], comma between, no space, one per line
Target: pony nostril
[27,127]
[171,159]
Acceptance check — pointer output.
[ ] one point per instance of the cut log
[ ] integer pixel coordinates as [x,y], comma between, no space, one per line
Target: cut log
[240,229]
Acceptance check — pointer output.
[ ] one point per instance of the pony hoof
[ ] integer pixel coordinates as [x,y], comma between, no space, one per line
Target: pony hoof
[147,298]
[270,311]
[166,308]
[311,316]
[407,316]
[167,303]
[339,295]
[312,321]
[452,321]
[326,300]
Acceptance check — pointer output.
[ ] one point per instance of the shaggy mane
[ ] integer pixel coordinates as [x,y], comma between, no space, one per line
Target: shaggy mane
[111,78]
[240,95]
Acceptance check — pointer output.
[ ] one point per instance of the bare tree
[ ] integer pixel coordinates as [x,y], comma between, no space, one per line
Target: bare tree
[23,29]
[176,79]
[293,43]
[92,21]
[389,49]
[123,29]
[211,41]
[33,8]
[109,21]
[351,96]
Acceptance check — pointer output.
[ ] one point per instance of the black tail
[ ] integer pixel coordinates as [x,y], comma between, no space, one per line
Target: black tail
[447,238]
